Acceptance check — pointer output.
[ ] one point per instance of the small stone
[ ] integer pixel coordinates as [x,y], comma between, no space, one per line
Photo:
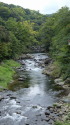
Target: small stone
[23,76]
[18,102]
[49,107]
[20,79]
[55,112]
[8,94]
[51,121]
[12,97]
[58,106]
[38,115]
[34,106]
[61,113]
[47,113]
[12,81]
[18,112]
[0,113]
[42,119]
[51,111]
[47,119]
[23,63]
[36,120]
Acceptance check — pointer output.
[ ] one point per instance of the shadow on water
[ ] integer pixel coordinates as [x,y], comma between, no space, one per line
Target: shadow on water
[61,91]
[18,84]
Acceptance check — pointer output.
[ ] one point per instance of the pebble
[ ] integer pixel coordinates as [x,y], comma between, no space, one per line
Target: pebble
[12,97]
[46,113]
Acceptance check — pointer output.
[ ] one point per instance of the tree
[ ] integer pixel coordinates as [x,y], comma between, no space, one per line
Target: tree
[5,12]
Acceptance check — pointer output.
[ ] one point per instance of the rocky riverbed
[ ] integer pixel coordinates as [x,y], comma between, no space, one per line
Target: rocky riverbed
[32,98]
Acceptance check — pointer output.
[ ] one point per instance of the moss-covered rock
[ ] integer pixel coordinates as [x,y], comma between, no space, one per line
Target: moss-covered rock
[52,70]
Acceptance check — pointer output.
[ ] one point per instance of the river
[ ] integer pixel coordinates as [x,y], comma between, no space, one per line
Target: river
[26,104]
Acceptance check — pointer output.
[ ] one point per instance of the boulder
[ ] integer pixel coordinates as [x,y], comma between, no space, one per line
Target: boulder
[59,81]
[67,81]
[47,61]
[22,78]
[22,62]
[25,56]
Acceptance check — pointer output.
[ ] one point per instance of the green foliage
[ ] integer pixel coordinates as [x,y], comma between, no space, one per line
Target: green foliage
[7,71]
[19,29]
[14,46]
[62,123]
[59,45]
[4,12]
[4,34]
[55,34]
[47,32]
[56,70]
[4,42]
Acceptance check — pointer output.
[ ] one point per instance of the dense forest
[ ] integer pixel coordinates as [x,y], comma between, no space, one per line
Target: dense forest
[55,34]
[21,29]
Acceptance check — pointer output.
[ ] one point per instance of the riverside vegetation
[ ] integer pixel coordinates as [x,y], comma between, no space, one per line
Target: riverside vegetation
[7,71]
[23,30]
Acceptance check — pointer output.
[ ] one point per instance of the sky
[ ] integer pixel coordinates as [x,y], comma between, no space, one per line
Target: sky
[44,6]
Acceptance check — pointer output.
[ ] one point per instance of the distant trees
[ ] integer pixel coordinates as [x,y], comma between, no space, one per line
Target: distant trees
[47,32]
[4,42]
[18,30]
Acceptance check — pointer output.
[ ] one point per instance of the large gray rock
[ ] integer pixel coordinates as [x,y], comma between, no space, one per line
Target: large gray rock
[59,81]
[25,56]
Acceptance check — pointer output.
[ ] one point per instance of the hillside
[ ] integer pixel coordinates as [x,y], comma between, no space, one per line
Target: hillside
[19,30]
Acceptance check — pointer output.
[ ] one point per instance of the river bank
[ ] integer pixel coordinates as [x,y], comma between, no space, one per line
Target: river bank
[7,70]
[61,109]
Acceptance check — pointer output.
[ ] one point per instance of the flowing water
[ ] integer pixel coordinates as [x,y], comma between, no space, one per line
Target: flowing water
[26,105]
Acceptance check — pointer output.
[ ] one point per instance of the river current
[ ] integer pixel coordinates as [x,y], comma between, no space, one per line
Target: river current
[26,105]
